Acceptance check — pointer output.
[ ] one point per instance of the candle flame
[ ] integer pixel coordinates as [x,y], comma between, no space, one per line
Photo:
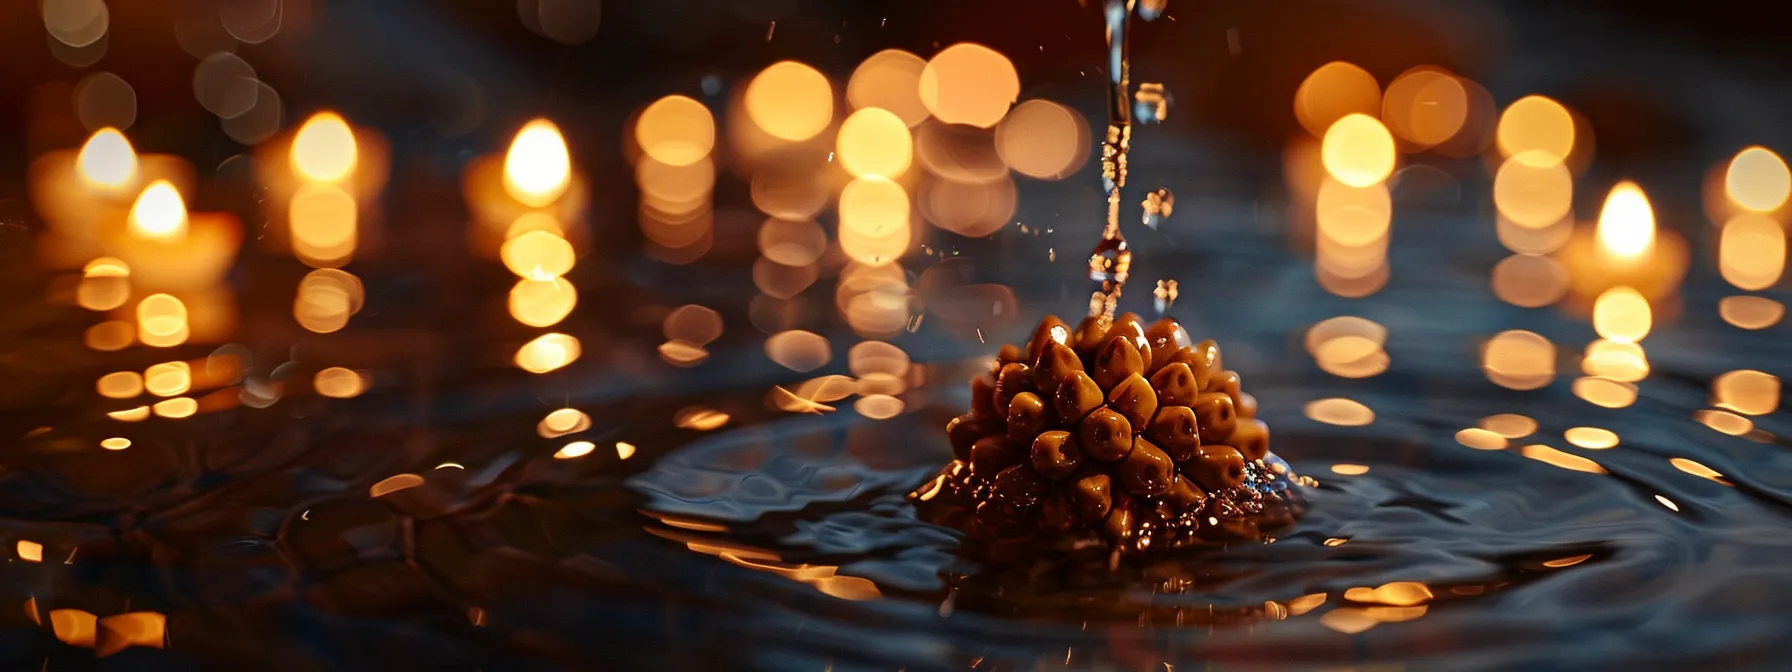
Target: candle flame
[107,159]
[324,148]
[159,213]
[537,168]
[1626,224]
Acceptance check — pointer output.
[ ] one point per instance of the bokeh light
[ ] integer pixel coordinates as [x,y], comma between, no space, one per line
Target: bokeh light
[339,383]
[323,221]
[889,79]
[1626,222]
[1617,360]
[168,378]
[1519,360]
[968,83]
[1746,391]
[561,422]
[1591,438]
[1339,411]
[874,220]
[1752,251]
[1354,217]
[1425,106]
[676,130]
[1536,130]
[1043,140]
[798,350]
[1758,180]
[542,300]
[1622,314]
[161,321]
[1358,151]
[874,142]
[113,443]
[547,353]
[1332,91]
[1348,346]
[1532,191]
[537,169]
[1605,392]
[1751,312]
[324,149]
[1481,439]
[790,101]
[1530,281]
[1509,425]
[537,253]
[120,385]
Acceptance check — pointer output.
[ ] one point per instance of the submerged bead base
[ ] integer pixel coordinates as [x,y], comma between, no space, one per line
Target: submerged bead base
[1108,439]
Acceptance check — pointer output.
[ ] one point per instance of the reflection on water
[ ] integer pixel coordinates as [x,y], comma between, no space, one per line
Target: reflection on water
[301,410]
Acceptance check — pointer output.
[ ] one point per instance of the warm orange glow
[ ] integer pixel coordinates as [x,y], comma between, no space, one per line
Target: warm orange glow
[1747,392]
[109,336]
[1348,347]
[31,551]
[114,443]
[1752,251]
[1591,438]
[798,350]
[1536,124]
[168,378]
[161,321]
[1353,217]
[1725,421]
[339,383]
[1697,469]
[1530,281]
[700,418]
[324,149]
[73,627]
[873,142]
[1618,360]
[1425,106]
[1532,191]
[322,219]
[547,353]
[574,450]
[970,209]
[969,83]
[1605,392]
[537,253]
[394,484]
[790,101]
[1557,458]
[1509,425]
[1339,411]
[159,213]
[692,324]
[326,299]
[684,191]
[178,407]
[120,385]
[107,160]
[542,300]
[1350,469]
[890,79]
[1358,151]
[874,218]
[1519,360]
[624,450]
[1332,91]
[105,284]
[562,422]
[1751,312]
[537,169]
[1481,439]
[1622,314]
[878,406]
[1042,139]
[1626,223]
[1758,180]
[676,130]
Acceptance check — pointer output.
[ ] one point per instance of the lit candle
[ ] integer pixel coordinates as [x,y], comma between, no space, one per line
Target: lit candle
[1625,249]
[77,190]
[534,179]
[168,248]
[323,182]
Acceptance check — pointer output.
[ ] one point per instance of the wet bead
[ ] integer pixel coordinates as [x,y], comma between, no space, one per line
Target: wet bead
[983,403]
[1133,400]
[1120,523]
[1203,360]
[1056,454]
[1146,471]
[1216,467]
[1247,405]
[1175,385]
[1216,415]
[1132,328]
[1117,359]
[1076,397]
[1018,489]
[1228,382]
[1175,430]
[991,454]
[1092,496]
[1166,337]
[1251,437]
[963,431]
[1014,379]
[1210,351]
[1009,354]
[1050,330]
[1055,363]
[1026,417]
[1185,494]
[1088,336]
[1105,435]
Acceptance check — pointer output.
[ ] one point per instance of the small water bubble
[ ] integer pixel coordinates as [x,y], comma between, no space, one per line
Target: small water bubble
[711,85]
[1158,205]
[1151,103]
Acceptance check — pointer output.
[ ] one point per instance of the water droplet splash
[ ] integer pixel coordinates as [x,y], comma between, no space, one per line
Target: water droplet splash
[1109,265]
[1158,205]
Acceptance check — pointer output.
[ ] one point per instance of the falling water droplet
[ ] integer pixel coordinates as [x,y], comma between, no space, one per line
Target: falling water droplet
[1151,104]
[1109,264]
[1158,205]
[1166,295]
